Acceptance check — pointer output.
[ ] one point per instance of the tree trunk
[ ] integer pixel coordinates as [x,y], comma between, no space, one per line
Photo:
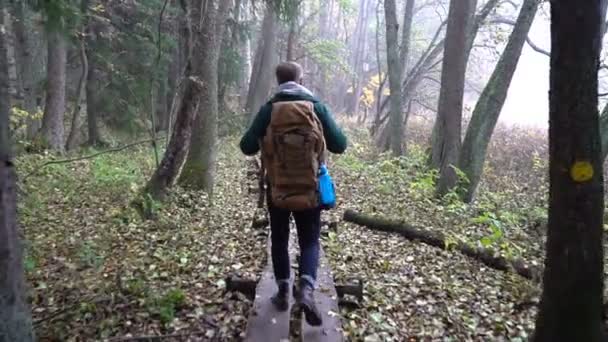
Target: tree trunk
[161,104]
[476,24]
[82,86]
[26,66]
[52,121]
[175,155]
[93,91]
[394,77]
[571,303]
[172,79]
[408,17]
[291,40]
[604,131]
[15,318]
[200,165]
[264,61]
[449,113]
[360,40]
[490,103]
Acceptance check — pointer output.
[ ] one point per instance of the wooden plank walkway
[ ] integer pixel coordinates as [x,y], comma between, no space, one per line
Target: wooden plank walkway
[326,299]
[266,323]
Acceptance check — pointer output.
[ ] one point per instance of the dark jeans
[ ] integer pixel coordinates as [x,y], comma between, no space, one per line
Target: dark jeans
[308,224]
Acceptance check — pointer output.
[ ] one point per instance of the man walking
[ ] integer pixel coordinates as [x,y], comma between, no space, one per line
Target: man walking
[293,131]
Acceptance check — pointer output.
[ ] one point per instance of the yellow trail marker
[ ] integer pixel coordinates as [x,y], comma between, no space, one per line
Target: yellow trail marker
[581,171]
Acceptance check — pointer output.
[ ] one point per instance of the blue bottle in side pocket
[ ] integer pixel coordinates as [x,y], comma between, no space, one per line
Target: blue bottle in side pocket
[327,193]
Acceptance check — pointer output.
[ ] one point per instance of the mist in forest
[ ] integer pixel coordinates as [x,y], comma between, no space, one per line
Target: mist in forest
[153,153]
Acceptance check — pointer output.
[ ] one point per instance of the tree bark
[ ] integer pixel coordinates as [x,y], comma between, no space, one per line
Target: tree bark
[15,318]
[265,59]
[406,33]
[26,66]
[93,88]
[360,40]
[449,113]
[490,102]
[199,170]
[52,121]
[604,131]
[571,303]
[82,87]
[394,77]
[487,256]
[175,155]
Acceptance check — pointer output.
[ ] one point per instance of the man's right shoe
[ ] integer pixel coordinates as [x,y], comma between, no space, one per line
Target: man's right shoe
[281,298]
[306,302]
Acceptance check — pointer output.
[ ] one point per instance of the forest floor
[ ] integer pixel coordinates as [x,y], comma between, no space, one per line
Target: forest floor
[99,272]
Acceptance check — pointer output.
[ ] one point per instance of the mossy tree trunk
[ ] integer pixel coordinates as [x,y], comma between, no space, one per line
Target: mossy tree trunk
[449,113]
[490,102]
[573,284]
[199,170]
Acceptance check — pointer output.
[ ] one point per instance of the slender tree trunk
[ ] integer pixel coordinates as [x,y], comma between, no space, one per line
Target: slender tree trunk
[394,77]
[199,170]
[408,17]
[291,41]
[93,92]
[264,61]
[571,303]
[490,103]
[82,86]
[604,131]
[15,318]
[26,66]
[161,104]
[360,40]
[52,121]
[172,79]
[449,113]
[476,24]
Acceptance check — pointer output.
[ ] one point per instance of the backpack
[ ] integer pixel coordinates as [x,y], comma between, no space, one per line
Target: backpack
[292,151]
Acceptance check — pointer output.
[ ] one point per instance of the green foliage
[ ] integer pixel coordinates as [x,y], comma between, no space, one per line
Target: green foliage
[287,10]
[328,53]
[89,255]
[62,15]
[165,306]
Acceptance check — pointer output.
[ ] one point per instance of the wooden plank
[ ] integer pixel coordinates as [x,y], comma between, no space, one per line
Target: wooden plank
[266,323]
[326,299]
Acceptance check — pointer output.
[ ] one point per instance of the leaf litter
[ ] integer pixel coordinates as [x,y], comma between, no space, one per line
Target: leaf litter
[98,272]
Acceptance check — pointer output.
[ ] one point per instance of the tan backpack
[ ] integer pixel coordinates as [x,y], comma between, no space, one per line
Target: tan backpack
[292,151]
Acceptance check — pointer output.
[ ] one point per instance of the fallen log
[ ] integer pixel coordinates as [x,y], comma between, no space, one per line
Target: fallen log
[244,286]
[354,289]
[485,255]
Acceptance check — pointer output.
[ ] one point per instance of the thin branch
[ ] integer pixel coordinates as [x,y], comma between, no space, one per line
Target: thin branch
[528,40]
[65,161]
[537,48]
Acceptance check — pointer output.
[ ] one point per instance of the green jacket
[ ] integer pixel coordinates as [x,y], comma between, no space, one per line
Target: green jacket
[334,138]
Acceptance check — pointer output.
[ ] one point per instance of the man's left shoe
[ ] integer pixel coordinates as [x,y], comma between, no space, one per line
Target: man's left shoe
[281,298]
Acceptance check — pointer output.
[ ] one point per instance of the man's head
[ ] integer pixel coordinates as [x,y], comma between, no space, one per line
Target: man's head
[289,71]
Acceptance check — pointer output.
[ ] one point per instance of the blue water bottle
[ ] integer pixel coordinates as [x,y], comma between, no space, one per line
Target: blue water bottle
[327,193]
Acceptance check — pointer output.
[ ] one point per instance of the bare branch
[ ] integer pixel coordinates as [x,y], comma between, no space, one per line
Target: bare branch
[528,40]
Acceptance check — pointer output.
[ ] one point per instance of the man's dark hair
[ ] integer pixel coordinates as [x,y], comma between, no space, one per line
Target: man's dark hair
[288,71]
